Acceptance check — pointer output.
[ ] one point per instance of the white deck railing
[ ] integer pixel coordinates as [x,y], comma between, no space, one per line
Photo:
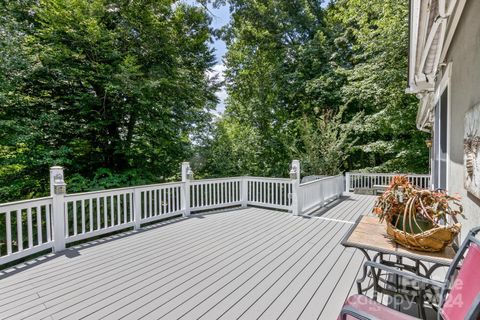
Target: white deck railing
[92,214]
[28,228]
[269,192]
[317,193]
[158,201]
[215,193]
[36,225]
[356,180]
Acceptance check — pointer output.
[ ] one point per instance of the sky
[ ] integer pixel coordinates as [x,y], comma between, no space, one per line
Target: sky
[220,17]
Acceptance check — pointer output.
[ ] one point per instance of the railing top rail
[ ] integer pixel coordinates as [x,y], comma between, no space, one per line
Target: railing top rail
[389,174]
[90,193]
[125,189]
[266,178]
[319,180]
[22,202]
[158,185]
[215,179]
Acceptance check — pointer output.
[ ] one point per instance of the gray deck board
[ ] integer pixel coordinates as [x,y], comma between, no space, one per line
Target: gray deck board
[249,263]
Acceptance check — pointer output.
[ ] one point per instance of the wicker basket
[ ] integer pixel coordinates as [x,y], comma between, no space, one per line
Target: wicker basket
[432,240]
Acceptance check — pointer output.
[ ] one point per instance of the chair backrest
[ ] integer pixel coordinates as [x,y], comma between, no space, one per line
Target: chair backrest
[460,296]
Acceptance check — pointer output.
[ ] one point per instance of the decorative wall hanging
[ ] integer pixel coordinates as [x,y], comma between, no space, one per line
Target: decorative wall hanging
[471,143]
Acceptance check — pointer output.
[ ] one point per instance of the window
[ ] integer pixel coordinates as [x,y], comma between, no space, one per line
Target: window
[440,134]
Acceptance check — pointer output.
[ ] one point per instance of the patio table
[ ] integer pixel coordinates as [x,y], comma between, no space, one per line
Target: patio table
[370,236]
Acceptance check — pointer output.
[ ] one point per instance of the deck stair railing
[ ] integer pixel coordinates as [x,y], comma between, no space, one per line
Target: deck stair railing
[51,223]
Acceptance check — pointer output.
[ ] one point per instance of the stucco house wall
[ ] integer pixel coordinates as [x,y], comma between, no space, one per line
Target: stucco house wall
[464,56]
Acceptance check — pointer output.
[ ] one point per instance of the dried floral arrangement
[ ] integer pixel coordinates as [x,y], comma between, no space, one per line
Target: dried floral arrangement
[413,215]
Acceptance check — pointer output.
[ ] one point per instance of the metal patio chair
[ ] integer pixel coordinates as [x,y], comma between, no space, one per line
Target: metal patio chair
[459,295]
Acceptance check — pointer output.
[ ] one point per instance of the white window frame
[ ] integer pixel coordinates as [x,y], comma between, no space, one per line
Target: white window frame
[445,83]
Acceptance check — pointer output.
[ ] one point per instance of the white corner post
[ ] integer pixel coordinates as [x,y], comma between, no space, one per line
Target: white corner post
[347,182]
[244,192]
[296,197]
[137,209]
[187,175]
[341,186]
[58,189]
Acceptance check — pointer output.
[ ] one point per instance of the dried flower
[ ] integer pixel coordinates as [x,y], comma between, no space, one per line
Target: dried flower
[426,205]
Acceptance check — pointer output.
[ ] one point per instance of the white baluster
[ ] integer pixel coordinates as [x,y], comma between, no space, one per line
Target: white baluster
[39,225]
[30,227]
[74,217]
[48,213]
[124,208]
[8,225]
[82,205]
[90,213]
[99,222]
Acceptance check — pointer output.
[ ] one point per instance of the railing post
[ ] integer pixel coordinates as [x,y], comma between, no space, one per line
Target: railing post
[244,192]
[137,209]
[347,182]
[57,192]
[295,198]
[187,175]
[340,187]
[295,177]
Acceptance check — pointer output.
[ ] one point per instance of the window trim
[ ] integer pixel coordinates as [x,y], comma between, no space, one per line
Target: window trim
[445,84]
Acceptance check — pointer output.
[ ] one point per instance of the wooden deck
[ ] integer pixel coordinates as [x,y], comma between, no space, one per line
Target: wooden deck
[243,264]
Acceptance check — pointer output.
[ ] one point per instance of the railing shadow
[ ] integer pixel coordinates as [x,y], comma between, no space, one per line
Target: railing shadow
[331,205]
[75,250]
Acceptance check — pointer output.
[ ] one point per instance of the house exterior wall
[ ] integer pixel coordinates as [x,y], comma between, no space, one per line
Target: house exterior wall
[464,56]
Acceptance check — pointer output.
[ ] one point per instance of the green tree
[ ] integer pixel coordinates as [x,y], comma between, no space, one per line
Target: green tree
[113,90]
[375,34]
[326,142]
[234,149]
[291,60]
[277,71]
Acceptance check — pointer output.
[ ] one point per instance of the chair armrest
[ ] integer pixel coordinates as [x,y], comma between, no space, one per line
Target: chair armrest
[421,280]
[357,314]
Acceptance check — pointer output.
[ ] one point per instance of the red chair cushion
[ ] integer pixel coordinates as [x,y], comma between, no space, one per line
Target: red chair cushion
[373,308]
[465,287]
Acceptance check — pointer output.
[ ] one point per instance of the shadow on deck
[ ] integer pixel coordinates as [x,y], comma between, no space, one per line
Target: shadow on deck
[249,263]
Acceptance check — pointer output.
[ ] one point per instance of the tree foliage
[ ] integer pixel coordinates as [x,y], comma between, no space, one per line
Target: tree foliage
[376,33]
[112,90]
[326,142]
[119,92]
[341,69]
